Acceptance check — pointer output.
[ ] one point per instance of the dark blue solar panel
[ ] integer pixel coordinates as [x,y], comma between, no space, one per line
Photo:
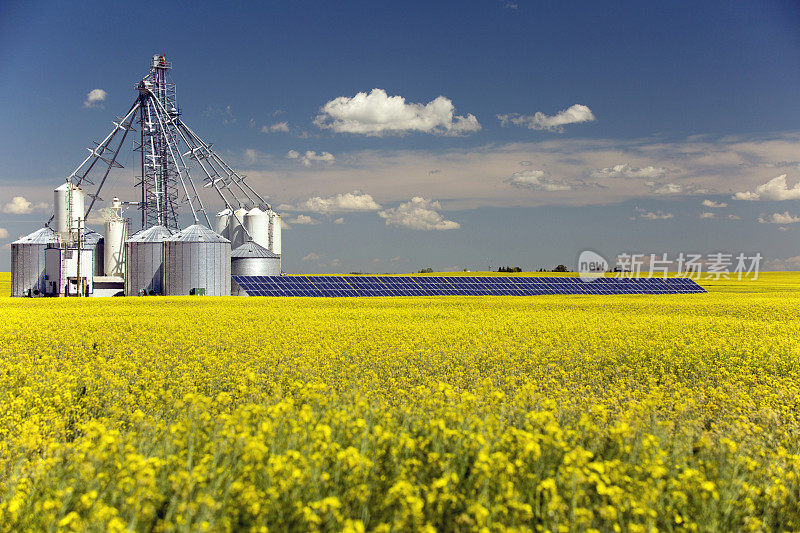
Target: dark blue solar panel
[348,286]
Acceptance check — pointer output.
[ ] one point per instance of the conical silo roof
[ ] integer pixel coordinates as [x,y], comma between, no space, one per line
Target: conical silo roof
[40,236]
[253,249]
[151,234]
[91,237]
[197,233]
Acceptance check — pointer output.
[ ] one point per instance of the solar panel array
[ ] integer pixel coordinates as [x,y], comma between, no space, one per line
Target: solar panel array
[343,286]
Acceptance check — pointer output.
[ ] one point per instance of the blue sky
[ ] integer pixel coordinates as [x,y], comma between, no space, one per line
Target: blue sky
[670,105]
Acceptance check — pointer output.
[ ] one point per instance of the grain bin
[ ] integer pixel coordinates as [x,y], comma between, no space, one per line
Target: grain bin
[27,262]
[256,222]
[197,258]
[274,232]
[67,209]
[144,261]
[236,228]
[221,222]
[252,259]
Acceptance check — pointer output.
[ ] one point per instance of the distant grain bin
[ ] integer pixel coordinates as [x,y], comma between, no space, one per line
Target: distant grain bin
[256,222]
[236,229]
[197,261]
[27,262]
[221,223]
[144,260]
[252,259]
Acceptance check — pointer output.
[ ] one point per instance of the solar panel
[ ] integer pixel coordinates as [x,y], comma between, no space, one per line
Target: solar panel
[351,286]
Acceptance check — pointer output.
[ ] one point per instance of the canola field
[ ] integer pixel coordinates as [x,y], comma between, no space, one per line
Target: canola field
[545,413]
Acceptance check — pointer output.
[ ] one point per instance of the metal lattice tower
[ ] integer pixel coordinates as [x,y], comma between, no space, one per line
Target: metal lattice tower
[168,150]
[160,173]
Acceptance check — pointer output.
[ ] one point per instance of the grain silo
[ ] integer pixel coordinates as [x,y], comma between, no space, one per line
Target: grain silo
[144,261]
[197,261]
[27,262]
[221,222]
[256,222]
[252,259]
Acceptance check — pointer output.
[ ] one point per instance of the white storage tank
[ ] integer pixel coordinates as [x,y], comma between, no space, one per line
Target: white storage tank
[65,219]
[197,260]
[28,262]
[256,222]
[274,232]
[236,232]
[116,233]
[252,259]
[221,222]
[144,261]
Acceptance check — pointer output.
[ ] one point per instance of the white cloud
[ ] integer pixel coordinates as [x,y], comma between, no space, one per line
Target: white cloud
[708,215]
[310,157]
[3,233]
[653,215]
[304,220]
[95,98]
[349,201]
[377,113]
[339,220]
[779,218]
[712,203]
[782,228]
[536,180]
[419,213]
[665,188]
[277,127]
[312,257]
[790,263]
[539,121]
[734,217]
[99,216]
[625,170]
[20,206]
[774,189]
[478,177]
[250,155]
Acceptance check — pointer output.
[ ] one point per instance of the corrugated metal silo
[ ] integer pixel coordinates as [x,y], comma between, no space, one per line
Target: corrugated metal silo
[197,258]
[252,259]
[144,261]
[27,262]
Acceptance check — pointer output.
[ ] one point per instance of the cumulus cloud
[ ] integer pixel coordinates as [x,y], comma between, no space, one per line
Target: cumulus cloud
[734,217]
[95,98]
[3,233]
[312,257]
[377,113]
[779,218]
[774,189]
[277,127]
[536,180]
[625,170]
[310,157]
[339,220]
[20,206]
[665,188]
[712,203]
[419,213]
[304,220]
[708,215]
[653,215]
[349,201]
[539,121]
